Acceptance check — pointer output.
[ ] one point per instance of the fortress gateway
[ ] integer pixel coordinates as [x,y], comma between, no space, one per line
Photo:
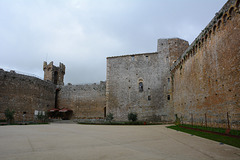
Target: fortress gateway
[200,83]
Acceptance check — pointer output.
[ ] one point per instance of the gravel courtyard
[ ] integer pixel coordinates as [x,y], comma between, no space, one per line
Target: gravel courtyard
[98,142]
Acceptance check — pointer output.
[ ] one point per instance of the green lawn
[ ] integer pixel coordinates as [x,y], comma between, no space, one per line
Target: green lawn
[219,138]
[219,130]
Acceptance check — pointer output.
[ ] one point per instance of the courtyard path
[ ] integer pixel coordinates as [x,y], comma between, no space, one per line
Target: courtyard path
[98,142]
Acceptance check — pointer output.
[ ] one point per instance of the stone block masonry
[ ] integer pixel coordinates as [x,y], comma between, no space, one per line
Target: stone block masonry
[206,78]
[23,93]
[86,101]
[53,73]
[132,85]
[200,83]
[140,83]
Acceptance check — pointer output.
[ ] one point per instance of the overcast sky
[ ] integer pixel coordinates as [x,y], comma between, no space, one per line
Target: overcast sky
[82,33]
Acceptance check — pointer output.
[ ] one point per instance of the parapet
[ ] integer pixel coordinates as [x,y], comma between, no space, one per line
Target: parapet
[62,67]
[231,8]
[127,55]
[53,73]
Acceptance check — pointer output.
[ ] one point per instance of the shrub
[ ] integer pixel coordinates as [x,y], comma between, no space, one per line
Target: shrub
[42,117]
[9,114]
[109,117]
[177,121]
[132,117]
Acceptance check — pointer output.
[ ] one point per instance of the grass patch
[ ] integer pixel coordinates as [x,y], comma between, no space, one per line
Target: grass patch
[219,138]
[219,130]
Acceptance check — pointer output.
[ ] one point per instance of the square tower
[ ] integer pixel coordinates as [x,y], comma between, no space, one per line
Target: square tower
[53,73]
[141,83]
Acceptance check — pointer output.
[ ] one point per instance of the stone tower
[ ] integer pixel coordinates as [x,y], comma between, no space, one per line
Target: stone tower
[141,83]
[168,52]
[53,73]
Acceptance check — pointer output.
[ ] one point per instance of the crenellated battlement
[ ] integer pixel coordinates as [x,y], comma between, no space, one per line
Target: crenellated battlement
[51,67]
[205,78]
[53,73]
[228,11]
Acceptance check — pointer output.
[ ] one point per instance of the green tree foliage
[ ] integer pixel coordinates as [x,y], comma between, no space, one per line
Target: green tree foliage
[109,117]
[42,117]
[132,117]
[177,120]
[9,114]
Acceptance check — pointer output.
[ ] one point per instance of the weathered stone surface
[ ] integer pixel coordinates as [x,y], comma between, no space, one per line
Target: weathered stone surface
[23,93]
[199,83]
[207,76]
[53,73]
[125,73]
[86,101]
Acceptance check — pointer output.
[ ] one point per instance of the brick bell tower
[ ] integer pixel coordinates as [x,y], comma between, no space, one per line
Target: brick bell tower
[53,73]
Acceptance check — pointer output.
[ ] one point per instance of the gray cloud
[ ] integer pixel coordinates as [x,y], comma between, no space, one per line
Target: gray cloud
[82,33]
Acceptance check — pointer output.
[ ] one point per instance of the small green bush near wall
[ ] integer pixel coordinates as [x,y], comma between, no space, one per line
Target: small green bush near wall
[109,117]
[132,117]
[9,114]
[177,120]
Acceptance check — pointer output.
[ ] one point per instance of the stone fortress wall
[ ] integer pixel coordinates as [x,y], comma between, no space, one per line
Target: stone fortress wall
[206,78]
[23,93]
[202,86]
[27,94]
[87,101]
[124,73]
[140,83]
